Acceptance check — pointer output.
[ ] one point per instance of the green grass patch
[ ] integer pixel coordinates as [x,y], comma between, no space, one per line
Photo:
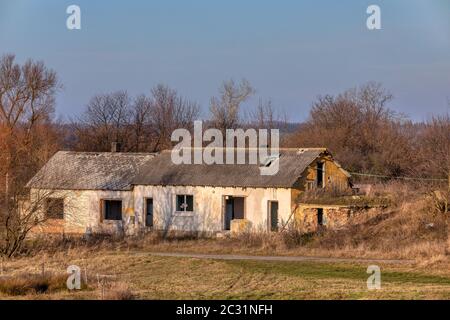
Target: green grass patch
[314,270]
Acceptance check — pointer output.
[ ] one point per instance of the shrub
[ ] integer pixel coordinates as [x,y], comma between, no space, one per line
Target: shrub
[116,291]
[293,238]
[32,284]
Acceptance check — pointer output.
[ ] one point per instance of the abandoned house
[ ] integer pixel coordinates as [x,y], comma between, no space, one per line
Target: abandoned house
[130,193]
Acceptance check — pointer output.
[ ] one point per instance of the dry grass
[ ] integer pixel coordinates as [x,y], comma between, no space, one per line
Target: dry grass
[408,229]
[116,291]
[25,284]
[139,275]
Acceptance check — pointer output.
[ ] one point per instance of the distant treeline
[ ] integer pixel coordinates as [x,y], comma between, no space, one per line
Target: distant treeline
[358,126]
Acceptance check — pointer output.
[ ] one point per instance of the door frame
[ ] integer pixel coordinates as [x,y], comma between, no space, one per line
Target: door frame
[269,214]
[224,209]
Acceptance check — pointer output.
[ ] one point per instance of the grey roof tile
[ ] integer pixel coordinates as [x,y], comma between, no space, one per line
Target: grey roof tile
[89,171]
[162,171]
[120,171]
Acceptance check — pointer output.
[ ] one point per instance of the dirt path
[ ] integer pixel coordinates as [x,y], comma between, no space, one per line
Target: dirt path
[276,258]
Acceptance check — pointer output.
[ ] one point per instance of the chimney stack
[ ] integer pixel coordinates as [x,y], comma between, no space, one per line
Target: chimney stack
[115,147]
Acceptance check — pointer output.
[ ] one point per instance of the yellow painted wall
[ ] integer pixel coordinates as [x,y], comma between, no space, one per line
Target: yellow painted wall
[335,177]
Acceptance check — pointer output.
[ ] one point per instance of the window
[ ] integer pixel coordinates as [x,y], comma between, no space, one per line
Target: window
[112,209]
[309,185]
[54,208]
[185,203]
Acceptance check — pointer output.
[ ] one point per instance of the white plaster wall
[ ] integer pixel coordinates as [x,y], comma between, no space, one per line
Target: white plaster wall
[82,210]
[208,206]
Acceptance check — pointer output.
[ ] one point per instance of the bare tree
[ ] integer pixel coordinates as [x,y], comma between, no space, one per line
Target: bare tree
[104,121]
[363,133]
[26,92]
[27,138]
[144,124]
[140,123]
[170,112]
[26,108]
[225,109]
[435,153]
[24,214]
[266,116]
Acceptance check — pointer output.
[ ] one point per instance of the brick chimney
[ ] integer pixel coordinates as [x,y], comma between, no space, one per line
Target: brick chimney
[115,147]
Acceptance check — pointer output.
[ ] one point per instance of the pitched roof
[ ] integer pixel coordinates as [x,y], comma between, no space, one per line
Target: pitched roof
[89,171]
[120,171]
[162,171]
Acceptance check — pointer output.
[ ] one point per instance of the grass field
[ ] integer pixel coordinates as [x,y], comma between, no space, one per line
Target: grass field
[154,277]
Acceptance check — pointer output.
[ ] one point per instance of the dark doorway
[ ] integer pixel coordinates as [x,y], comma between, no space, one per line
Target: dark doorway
[234,209]
[273,215]
[320,171]
[149,213]
[320,219]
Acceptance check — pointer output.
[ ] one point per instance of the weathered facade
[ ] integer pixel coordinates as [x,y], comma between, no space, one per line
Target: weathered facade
[130,193]
[312,217]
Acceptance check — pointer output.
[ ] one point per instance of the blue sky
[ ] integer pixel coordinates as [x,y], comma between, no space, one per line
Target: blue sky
[290,50]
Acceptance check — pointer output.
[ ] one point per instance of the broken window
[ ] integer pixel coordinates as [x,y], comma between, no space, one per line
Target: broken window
[185,203]
[112,209]
[54,208]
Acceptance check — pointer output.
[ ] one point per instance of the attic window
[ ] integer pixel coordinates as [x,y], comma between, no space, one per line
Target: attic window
[54,208]
[112,210]
[269,160]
